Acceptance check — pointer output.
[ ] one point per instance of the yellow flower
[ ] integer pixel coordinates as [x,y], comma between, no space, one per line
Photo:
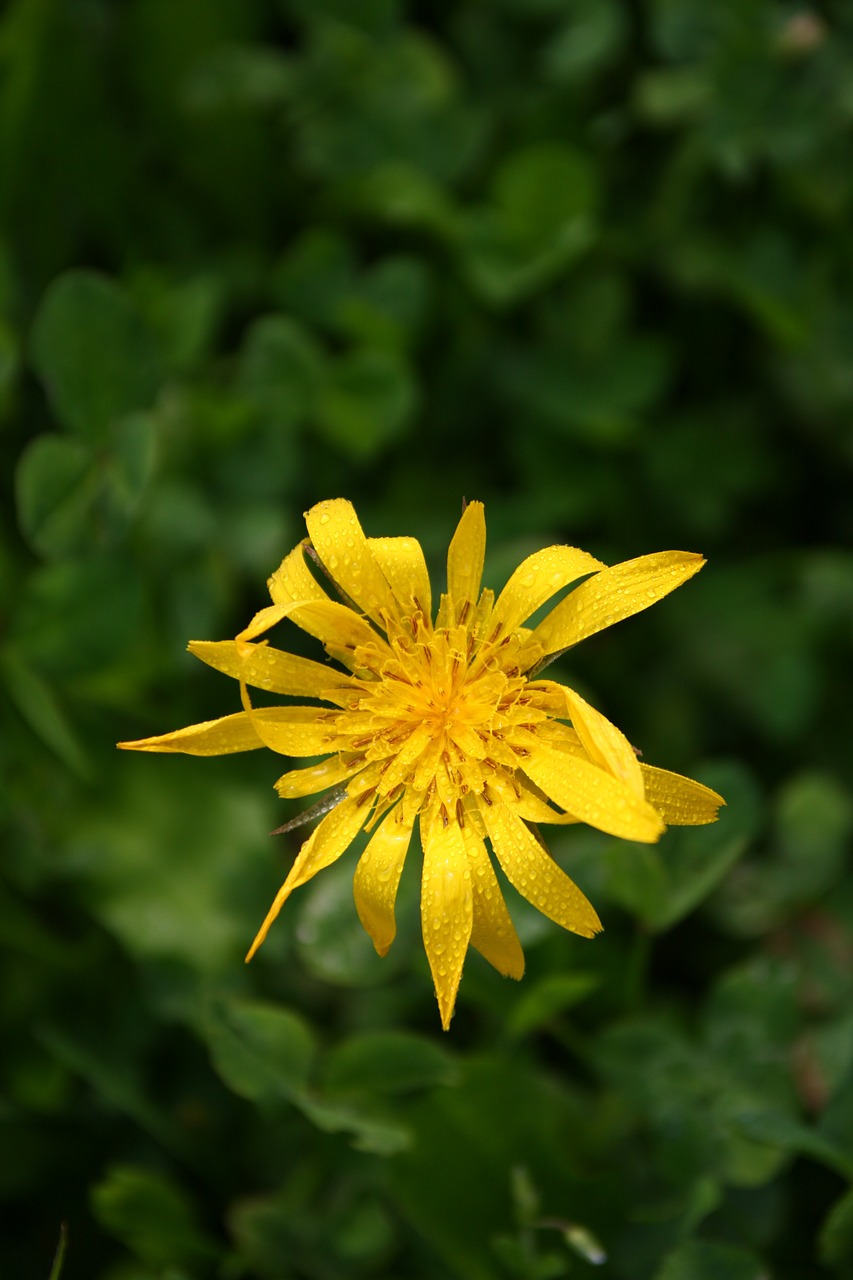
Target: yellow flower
[445,722]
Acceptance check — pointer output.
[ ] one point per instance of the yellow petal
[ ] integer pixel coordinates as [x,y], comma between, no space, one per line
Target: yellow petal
[297,731]
[493,933]
[377,876]
[681,802]
[339,541]
[591,794]
[535,874]
[538,578]
[338,627]
[403,761]
[471,745]
[324,846]
[605,745]
[465,557]
[264,667]
[210,738]
[519,796]
[614,594]
[559,736]
[447,907]
[266,618]
[403,564]
[293,580]
[315,777]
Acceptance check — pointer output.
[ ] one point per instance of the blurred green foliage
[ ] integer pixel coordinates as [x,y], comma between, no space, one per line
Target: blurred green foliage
[587,260]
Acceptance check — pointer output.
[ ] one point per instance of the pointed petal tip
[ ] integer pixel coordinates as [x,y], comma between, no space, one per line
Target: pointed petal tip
[590,925]
[260,936]
[680,801]
[692,560]
[446,1012]
[143,744]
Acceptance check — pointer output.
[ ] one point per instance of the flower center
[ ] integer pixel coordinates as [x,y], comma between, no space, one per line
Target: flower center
[438,712]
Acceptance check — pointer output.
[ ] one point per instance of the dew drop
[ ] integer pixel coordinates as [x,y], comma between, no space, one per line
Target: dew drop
[324,518]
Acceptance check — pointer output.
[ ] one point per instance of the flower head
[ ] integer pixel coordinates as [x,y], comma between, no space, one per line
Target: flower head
[445,723]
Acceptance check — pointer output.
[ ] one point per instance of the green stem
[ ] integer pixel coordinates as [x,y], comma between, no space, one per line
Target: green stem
[59,1256]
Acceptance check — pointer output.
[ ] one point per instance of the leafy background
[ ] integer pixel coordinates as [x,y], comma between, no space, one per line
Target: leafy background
[589,261]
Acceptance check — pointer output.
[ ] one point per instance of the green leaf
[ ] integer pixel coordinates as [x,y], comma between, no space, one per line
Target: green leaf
[777,1129]
[383,1062]
[235,78]
[367,402]
[281,370]
[262,1052]
[402,195]
[811,824]
[94,354]
[836,1123]
[356,1229]
[380,1135]
[330,939]
[42,710]
[545,999]
[178,883]
[183,314]
[636,878]
[152,1216]
[387,306]
[540,219]
[543,192]
[503,269]
[672,96]
[696,859]
[835,1240]
[454,1181]
[70,498]
[398,288]
[99,601]
[55,487]
[130,463]
[814,816]
[315,274]
[591,36]
[698,1260]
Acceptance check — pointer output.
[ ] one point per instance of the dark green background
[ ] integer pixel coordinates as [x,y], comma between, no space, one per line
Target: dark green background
[590,262]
